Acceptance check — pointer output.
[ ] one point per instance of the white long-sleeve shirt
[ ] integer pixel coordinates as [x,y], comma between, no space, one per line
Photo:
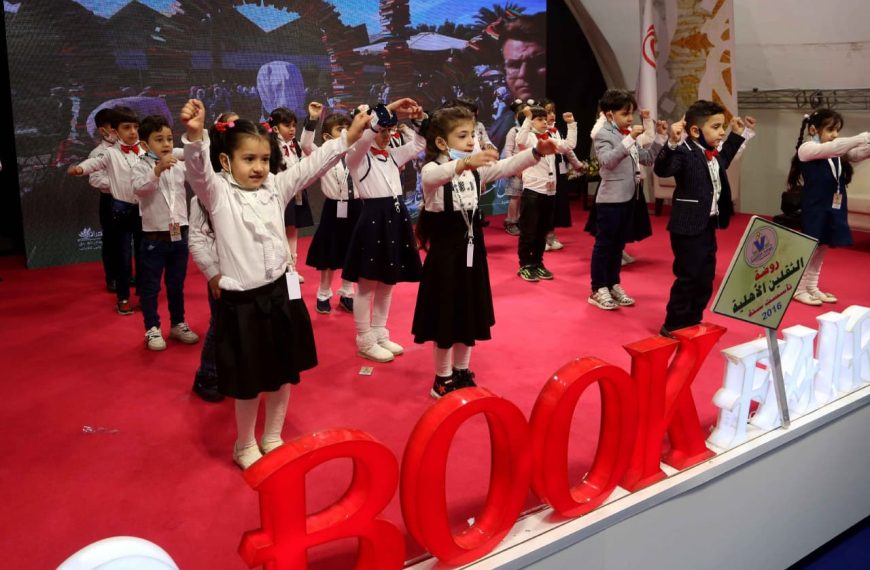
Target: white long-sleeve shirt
[99,179]
[201,241]
[855,149]
[118,166]
[541,176]
[378,176]
[163,198]
[249,224]
[334,183]
[436,175]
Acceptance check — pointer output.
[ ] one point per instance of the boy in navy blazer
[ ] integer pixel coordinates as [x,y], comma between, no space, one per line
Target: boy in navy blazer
[701,203]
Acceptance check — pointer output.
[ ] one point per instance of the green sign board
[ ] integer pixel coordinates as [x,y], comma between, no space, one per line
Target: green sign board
[764,273]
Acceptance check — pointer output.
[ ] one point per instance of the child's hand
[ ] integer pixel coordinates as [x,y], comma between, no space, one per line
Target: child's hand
[644,114]
[568,117]
[677,132]
[75,171]
[193,115]
[314,110]
[750,122]
[527,112]
[546,147]
[737,125]
[482,158]
[359,124]
[662,127]
[165,163]
[214,286]
[405,108]
[636,131]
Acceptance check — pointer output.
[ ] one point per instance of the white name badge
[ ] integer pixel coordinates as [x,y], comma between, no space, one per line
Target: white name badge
[341,209]
[838,201]
[294,291]
[563,168]
[469,255]
[175,232]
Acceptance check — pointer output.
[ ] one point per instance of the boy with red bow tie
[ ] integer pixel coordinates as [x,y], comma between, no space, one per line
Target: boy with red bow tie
[619,156]
[701,203]
[117,162]
[539,195]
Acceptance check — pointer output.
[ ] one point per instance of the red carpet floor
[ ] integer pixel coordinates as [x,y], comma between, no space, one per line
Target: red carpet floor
[103,438]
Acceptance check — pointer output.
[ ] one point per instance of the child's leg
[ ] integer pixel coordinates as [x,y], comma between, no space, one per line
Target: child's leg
[380,312]
[245,451]
[443,361]
[346,289]
[276,411]
[807,291]
[176,273]
[542,227]
[324,292]
[152,263]
[205,381]
[366,337]
[292,241]
[528,222]
[461,356]
[694,278]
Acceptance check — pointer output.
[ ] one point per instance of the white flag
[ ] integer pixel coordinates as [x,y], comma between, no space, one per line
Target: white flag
[647,88]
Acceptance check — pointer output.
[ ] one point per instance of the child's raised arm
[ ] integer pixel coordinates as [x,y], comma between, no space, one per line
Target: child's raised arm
[812,150]
[306,141]
[199,172]
[91,165]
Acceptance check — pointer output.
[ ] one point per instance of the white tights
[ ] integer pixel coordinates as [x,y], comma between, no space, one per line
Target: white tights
[457,356]
[810,280]
[246,417]
[370,311]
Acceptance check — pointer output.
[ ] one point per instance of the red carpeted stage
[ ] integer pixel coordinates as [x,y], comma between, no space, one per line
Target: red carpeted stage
[102,437]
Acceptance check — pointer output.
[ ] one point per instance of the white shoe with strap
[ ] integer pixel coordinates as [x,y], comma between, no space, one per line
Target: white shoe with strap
[621,297]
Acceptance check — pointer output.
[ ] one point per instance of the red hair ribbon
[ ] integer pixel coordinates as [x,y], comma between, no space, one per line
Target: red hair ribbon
[221,127]
[267,126]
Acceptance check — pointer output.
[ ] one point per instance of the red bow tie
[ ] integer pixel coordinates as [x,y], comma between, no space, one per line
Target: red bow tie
[542,136]
[380,152]
[552,130]
[286,150]
[134,148]
[397,135]
[711,154]
[625,132]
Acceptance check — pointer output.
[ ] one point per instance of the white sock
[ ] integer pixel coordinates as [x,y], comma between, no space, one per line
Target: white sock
[276,411]
[324,292]
[381,310]
[443,361]
[810,279]
[461,356]
[362,310]
[346,289]
[292,241]
[246,419]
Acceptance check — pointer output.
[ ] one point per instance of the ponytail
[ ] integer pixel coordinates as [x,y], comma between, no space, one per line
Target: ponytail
[818,119]
[794,183]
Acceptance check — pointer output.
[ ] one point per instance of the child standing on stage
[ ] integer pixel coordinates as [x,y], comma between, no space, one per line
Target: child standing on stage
[619,157]
[100,181]
[283,123]
[539,196]
[382,250]
[117,162]
[820,163]
[340,213]
[701,203]
[514,186]
[561,206]
[158,181]
[454,301]
[263,332]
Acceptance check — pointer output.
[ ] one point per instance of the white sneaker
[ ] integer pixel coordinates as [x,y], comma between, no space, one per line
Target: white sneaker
[621,297]
[822,296]
[806,298]
[394,347]
[154,339]
[626,259]
[376,352]
[182,333]
[602,299]
[267,446]
[555,245]
[246,456]
[548,247]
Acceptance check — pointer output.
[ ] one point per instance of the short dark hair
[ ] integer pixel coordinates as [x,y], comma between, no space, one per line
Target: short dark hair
[463,102]
[281,116]
[335,120]
[616,99]
[701,110]
[538,112]
[124,115]
[524,29]
[103,117]
[152,124]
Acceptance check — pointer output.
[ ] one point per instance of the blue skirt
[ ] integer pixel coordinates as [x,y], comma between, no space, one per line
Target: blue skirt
[382,246]
[329,246]
[821,221]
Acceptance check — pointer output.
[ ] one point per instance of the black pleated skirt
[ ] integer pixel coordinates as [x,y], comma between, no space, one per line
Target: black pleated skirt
[329,245]
[562,207]
[382,246]
[299,215]
[454,302]
[263,340]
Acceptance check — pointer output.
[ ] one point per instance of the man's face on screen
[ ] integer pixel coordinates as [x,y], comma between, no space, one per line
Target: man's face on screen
[525,65]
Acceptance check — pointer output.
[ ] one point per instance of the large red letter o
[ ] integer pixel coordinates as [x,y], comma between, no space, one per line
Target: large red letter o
[424,467]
